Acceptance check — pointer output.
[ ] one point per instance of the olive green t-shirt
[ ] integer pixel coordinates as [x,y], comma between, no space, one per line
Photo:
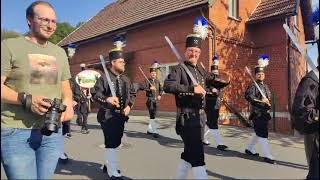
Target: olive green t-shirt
[34,70]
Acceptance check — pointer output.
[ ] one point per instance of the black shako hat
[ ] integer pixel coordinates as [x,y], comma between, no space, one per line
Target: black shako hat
[117,52]
[258,69]
[193,40]
[154,66]
[263,62]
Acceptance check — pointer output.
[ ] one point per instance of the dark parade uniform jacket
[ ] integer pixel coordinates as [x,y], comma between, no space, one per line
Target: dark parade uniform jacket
[83,102]
[75,91]
[152,95]
[259,110]
[213,103]
[124,89]
[305,111]
[305,107]
[211,99]
[179,83]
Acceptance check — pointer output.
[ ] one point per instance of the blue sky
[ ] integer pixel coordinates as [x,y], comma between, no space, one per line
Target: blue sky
[72,11]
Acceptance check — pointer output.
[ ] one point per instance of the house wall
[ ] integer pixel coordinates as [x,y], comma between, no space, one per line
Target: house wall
[147,44]
[237,45]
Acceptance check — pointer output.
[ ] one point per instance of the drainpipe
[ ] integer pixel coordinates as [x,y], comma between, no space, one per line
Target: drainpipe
[289,76]
[213,28]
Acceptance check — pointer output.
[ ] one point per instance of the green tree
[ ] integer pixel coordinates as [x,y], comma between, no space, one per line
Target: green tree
[63,30]
[8,34]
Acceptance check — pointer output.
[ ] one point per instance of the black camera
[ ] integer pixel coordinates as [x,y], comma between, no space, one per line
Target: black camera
[53,115]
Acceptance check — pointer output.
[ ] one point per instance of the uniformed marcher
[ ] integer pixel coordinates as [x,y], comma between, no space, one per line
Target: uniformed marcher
[83,104]
[153,93]
[190,108]
[114,111]
[216,82]
[305,111]
[259,114]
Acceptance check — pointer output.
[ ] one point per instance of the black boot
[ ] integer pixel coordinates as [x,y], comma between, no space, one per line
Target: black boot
[64,160]
[222,147]
[156,135]
[250,153]
[116,178]
[206,143]
[268,160]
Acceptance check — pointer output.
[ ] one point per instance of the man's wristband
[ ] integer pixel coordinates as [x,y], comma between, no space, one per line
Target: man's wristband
[25,100]
[22,98]
[28,102]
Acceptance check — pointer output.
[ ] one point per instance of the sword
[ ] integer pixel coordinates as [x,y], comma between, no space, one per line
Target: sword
[255,83]
[148,81]
[144,75]
[175,51]
[300,49]
[202,65]
[113,93]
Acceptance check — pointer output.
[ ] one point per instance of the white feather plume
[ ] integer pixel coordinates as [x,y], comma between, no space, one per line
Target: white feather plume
[263,62]
[200,29]
[119,44]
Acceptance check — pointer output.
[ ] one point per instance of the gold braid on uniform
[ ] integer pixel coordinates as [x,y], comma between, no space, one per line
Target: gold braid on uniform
[102,100]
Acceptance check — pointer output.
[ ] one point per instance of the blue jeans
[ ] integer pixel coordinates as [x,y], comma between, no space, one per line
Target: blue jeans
[27,154]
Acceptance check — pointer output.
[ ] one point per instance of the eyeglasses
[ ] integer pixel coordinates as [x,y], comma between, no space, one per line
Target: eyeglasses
[121,62]
[46,21]
[193,51]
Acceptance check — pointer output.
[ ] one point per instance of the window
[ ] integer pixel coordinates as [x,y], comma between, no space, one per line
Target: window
[165,69]
[234,8]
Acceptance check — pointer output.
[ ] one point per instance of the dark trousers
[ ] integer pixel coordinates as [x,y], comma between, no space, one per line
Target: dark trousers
[311,142]
[213,116]
[84,120]
[260,123]
[113,130]
[190,133]
[152,107]
[65,127]
[77,110]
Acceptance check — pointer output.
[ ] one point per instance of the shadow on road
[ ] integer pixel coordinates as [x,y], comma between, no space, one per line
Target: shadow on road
[90,170]
[243,133]
[162,140]
[218,176]
[230,153]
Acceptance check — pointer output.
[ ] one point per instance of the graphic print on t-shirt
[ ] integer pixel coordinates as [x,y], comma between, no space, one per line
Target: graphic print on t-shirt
[43,69]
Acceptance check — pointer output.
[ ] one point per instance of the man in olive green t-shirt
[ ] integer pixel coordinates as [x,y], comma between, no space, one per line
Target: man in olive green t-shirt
[32,69]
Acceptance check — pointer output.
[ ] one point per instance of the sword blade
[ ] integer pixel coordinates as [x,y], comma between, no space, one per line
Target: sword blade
[175,51]
[144,75]
[255,83]
[113,93]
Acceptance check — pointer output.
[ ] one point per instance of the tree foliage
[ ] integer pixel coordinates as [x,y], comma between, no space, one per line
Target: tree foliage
[5,34]
[63,30]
